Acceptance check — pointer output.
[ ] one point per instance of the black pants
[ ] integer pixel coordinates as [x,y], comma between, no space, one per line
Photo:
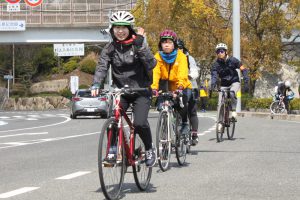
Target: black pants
[192,111]
[141,106]
[203,101]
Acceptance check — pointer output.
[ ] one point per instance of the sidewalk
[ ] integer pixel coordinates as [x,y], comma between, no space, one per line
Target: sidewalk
[290,117]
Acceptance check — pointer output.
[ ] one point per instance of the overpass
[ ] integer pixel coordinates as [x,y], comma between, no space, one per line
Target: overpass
[62,21]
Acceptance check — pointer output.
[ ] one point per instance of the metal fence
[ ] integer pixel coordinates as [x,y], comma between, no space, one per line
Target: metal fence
[69,12]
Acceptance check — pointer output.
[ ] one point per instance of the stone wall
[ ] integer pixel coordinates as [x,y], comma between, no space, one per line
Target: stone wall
[37,103]
[49,86]
[264,87]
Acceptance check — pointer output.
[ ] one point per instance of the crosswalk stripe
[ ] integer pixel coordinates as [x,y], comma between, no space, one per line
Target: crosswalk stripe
[17,192]
[74,175]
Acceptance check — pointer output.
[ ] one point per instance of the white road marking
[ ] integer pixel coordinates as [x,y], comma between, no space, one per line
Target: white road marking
[67,119]
[15,143]
[17,116]
[34,116]
[41,133]
[49,115]
[29,142]
[31,119]
[74,175]
[17,192]
[4,117]
[2,123]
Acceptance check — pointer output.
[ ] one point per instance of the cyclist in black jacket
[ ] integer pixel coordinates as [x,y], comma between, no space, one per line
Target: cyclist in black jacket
[132,62]
[225,68]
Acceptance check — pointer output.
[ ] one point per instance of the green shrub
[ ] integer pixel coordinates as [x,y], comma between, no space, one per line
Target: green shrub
[83,86]
[263,103]
[75,58]
[88,65]
[295,104]
[70,66]
[55,70]
[66,93]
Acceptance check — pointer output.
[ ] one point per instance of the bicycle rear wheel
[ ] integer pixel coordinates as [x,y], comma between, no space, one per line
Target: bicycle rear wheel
[111,171]
[142,173]
[163,143]
[220,124]
[180,144]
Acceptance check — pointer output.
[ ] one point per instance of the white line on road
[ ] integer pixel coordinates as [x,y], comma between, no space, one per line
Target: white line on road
[41,133]
[29,142]
[74,175]
[31,119]
[67,119]
[3,117]
[17,192]
[2,123]
[18,116]
[15,143]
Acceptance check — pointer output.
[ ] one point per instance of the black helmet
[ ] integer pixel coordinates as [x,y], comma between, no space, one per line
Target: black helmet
[180,44]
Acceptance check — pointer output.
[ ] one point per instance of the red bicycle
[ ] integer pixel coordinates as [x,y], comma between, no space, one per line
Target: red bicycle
[119,149]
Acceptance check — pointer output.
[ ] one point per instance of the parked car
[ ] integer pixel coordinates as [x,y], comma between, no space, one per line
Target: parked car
[84,104]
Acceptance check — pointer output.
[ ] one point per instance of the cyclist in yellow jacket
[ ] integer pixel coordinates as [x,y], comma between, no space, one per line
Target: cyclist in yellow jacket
[171,72]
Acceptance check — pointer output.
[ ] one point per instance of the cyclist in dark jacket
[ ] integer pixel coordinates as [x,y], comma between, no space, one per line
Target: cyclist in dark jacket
[132,62]
[284,89]
[225,68]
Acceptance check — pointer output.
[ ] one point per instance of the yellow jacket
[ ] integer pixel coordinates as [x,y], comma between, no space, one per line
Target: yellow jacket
[177,76]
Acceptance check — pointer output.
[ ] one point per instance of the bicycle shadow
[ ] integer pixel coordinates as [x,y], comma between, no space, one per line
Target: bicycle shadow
[226,139]
[131,188]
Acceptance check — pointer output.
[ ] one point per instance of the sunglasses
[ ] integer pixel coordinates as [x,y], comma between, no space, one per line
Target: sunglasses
[220,51]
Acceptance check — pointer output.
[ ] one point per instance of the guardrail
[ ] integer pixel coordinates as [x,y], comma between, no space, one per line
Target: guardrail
[66,13]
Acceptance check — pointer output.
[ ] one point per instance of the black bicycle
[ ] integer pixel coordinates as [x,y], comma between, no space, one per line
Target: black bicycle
[224,121]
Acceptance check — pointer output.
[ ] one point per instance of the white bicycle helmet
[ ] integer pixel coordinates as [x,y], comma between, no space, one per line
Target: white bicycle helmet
[122,18]
[287,84]
[221,46]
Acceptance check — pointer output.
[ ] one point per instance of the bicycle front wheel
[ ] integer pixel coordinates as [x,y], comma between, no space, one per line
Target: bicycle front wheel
[163,143]
[231,128]
[180,144]
[142,173]
[111,168]
[220,124]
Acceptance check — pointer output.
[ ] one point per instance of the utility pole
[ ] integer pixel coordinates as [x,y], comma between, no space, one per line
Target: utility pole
[13,63]
[236,44]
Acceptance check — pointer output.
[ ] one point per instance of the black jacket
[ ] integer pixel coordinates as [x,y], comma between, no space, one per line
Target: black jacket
[226,71]
[131,65]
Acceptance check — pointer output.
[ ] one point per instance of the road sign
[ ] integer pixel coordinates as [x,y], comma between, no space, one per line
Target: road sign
[13,7]
[33,2]
[69,50]
[8,77]
[8,25]
[12,1]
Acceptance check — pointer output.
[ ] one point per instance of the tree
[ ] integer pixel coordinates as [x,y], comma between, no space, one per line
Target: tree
[263,24]
[204,23]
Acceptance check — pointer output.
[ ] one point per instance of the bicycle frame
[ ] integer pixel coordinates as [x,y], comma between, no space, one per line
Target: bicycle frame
[227,103]
[121,115]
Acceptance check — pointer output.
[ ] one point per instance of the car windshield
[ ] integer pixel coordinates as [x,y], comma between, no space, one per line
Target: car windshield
[86,93]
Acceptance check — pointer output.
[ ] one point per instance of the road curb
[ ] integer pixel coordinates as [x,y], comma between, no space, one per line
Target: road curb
[270,116]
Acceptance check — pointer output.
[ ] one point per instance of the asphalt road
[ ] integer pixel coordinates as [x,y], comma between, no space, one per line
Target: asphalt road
[45,155]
